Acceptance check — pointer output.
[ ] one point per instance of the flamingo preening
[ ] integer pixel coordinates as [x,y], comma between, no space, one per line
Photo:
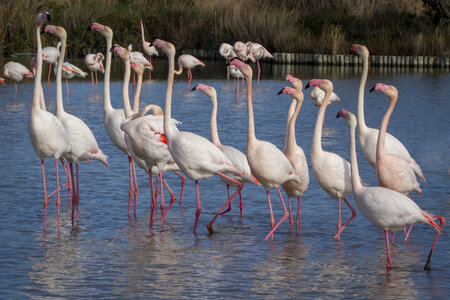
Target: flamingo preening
[94,63]
[50,55]
[16,71]
[148,49]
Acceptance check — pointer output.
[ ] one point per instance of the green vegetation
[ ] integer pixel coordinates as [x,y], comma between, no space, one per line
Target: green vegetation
[397,27]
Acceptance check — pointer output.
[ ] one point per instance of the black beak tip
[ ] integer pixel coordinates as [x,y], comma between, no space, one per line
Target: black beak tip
[372,89]
[42,31]
[194,88]
[89,28]
[338,115]
[280,92]
[307,86]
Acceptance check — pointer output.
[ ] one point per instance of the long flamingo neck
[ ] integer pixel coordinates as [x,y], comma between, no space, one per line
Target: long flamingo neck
[168,100]
[106,80]
[213,123]
[356,181]
[291,141]
[138,93]
[59,100]
[142,35]
[362,84]
[288,119]
[180,68]
[126,83]
[251,121]
[317,138]
[35,105]
[383,127]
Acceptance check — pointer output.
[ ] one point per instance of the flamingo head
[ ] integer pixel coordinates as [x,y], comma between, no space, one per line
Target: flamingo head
[348,116]
[167,47]
[57,31]
[138,68]
[296,94]
[245,69]
[296,83]
[41,18]
[389,90]
[208,90]
[323,84]
[2,81]
[359,49]
[102,29]
[121,51]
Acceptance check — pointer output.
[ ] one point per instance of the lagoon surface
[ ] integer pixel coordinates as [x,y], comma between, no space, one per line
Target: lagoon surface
[110,255]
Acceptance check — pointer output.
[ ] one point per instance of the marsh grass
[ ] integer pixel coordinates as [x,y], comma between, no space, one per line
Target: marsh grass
[398,27]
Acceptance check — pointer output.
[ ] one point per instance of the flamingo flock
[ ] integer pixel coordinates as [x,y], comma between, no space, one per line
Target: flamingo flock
[156,145]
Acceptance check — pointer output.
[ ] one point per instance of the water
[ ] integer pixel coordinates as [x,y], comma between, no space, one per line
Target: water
[108,255]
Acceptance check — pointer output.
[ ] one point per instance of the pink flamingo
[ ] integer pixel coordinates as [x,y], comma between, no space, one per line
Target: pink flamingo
[227,52]
[148,49]
[69,71]
[268,164]
[16,71]
[94,63]
[197,157]
[188,62]
[234,155]
[385,208]
[317,95]
[50,55]
[259,52]
[332,172]
[82,140]
[243,50]
[295,154]
[47,133]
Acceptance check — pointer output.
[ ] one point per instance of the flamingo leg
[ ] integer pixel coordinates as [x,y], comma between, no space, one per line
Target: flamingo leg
[150,71]
[291,220]
[259,70]
[298,223]
[409,231]
[229,206]
[74,196]
[130,190]
[199,207]
[15,93]
[285,216]
[272,220]
[58,198]
[69,179]
[240,186]
[427,266]
[172,197]
[152,198]
[78,191]
[236,90]
[92,82]
[337,236]
[67,90]
[241,204]
[48,80]
[388,250]
[96,81]
[393,237]
[349,220]
[45,194]
[136,188]
[162,198]
[182,184]
[189,78]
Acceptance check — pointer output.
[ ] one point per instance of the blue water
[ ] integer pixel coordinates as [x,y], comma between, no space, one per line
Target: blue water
[110,255]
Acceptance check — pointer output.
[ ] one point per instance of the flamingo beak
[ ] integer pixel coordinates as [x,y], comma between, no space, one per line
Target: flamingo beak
[280,92]
[307,86]
[194,88]
[372,89]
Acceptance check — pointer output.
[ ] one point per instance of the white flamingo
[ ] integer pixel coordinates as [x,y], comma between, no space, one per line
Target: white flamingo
[148,49]
[295,154]
[188,62]
[16,71]
[332,171]
[268,164]
[197,157]
[385,208]
[47,133]
[259,52]
[94,63]
[234,155]
[69,71]
[82,140]
[243,50]
[50,55]
[227,52]
[317,94]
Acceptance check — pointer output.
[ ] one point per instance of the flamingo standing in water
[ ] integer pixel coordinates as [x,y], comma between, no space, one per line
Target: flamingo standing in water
[50,55]
[332,171]
[69,71]
[197,157]
[47,133]
[385,208]
[16,71]
[188,62]
[113,117]
[139,58]
[227,52]
[295,154]
[234,155]
[268,164]
[94,63]
[237,75]
[82,140]
[317,95]
[259,52]
[243,50]
[148,49]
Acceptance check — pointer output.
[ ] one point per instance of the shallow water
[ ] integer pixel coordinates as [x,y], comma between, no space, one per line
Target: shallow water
[108,254]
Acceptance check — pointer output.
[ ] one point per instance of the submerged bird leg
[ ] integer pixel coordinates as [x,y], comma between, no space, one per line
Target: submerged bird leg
[298,223]
[152,198]
[173,198]
[349,220]
[229,206]
[427,266]
[241,204]
[199,207]
[45,194]
[388,250]
[409,231]
[183,180]
[291,220]
[130,190]
[272,220]
[285,216]
[136,188]
[162,198]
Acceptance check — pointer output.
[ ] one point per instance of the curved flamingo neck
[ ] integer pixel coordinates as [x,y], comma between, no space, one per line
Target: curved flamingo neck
[106,80]
[168,101]
[213,123]
[180,68]
[288,119]
[138,93]
[251,121]
[142,35]
[126,83]
[35,104]
[317,138]
[383,128]
[291,142]
[362,84]
[59,110]
[356,181]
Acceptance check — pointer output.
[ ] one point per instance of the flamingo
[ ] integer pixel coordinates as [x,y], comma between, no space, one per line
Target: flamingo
[145,135]
[317,94]
[234,155]
[16,71]
[94,63]
[69,71]
[138,57]
[47,133]
[368,136]
[295,154]
[243,50]
[259,52]
[227,52]
[50,55]
[188,62]
[82,140]
[236,74]
[387,209]
[149,50]
[268,164]
[113,118]
[332,171]
[197,157]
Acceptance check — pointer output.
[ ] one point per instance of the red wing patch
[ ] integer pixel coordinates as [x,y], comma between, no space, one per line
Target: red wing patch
[162,137]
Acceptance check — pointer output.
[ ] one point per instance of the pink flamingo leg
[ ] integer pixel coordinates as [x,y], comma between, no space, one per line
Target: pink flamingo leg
[285,216]
[349,220]
[229,206]
[45,194]
[240,186]
[162,198]
[136,188]
[272,220]
[182,184]
[48,80]
[393,237]
[67,90]
[389,260]
[69,178]
[58,198]
[92,82]
[241,204]
[199,207]
[15,93]
[427,266]
[150,71]
[96,81]
[409,231]
[130,190]
[337,236]
[152,198]
[236,90]
[172,197]
[291,220]
[298,223]
[259,70]
[74,196]
[78,192]
[189,78]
